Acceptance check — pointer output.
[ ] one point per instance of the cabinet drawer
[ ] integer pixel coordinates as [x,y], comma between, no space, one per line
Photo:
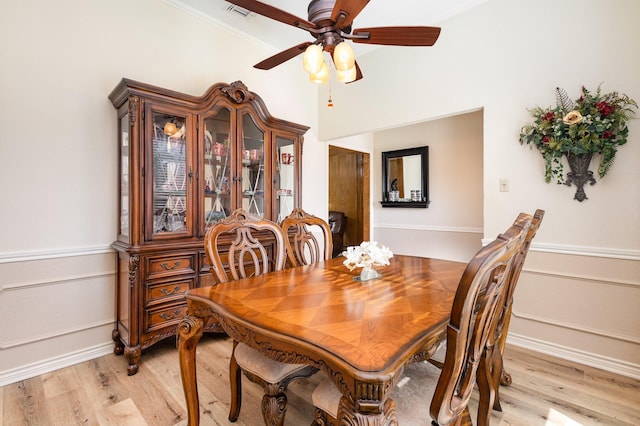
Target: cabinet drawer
[204,263]
[159,292]
[164,316]
[158,267]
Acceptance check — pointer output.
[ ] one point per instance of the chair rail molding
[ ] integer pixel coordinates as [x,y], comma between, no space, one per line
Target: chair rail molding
[28,256]
[414,227]
[603,252]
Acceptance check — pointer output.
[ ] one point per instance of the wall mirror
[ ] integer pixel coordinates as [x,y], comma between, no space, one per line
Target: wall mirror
[405,178]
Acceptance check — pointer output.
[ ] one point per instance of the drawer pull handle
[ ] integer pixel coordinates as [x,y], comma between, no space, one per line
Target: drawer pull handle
[167,292]
[170,267]
[166,316]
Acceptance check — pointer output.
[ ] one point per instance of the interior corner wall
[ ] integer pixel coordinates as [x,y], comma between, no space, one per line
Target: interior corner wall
[58,147]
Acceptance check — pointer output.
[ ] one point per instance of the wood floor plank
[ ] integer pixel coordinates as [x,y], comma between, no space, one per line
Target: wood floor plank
[24,403]
[125,413]
[578,389]
[546,391]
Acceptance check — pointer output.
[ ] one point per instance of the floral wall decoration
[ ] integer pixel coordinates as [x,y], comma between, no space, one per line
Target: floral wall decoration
[595,123]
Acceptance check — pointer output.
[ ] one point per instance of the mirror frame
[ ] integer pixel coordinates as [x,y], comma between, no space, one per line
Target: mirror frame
[423,151]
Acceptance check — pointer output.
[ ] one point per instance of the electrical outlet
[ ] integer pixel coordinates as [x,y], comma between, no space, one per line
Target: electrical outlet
[504,185]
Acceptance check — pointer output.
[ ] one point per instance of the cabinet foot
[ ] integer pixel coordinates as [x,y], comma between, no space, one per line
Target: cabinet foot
[118,348]
[133,353]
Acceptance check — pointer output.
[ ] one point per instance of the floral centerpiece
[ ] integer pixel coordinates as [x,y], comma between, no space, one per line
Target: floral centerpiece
[596,123]
[367,255]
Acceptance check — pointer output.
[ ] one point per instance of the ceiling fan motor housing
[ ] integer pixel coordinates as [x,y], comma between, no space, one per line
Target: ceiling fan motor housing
[320,12]
[328,35]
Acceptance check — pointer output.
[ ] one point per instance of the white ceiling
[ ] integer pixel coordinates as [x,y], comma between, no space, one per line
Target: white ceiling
[378,13]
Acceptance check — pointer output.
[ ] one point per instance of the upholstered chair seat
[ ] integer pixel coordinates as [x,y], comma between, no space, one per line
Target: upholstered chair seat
[253,362]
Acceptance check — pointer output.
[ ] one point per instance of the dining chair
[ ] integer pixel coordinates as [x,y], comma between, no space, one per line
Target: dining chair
[500,376]
[338,223]
[302,245]
[477,306]
[256,246]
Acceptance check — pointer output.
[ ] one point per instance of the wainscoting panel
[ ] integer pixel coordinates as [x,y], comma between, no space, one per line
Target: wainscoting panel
[55,310]
[583,308]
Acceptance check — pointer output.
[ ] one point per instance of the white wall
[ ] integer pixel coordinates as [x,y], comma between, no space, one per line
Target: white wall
[60,60]
[580,290]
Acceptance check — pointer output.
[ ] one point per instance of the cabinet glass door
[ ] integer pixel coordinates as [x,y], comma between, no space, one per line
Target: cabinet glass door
[124,177]
[285,177]
[170,174]
[253,169]
[218,164]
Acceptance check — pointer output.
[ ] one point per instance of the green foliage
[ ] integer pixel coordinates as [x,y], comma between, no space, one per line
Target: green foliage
[595,123]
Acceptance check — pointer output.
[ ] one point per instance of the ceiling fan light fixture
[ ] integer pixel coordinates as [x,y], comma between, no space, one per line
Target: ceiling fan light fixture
[313,59]
[321,76]
[346,76]
[343,57]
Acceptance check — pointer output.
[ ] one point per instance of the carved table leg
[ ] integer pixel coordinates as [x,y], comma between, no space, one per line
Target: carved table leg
[274,409]
[387,416]
[189,334]
[132,353]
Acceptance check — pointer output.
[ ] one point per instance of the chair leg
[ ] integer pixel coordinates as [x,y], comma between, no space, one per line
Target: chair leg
[235,381]
[488,378]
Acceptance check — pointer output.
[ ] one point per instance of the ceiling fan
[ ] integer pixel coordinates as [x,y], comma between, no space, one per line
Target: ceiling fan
[329,22]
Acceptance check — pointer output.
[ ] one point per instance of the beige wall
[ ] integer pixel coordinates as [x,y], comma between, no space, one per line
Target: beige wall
[579,291]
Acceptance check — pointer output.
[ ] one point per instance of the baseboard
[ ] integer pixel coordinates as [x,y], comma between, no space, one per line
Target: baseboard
[48,365]
[612,365]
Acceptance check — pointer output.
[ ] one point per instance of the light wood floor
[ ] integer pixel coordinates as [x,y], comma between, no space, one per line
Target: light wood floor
[545,391]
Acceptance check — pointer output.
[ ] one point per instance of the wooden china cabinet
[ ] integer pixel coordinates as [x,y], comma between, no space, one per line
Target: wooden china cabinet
[185,163]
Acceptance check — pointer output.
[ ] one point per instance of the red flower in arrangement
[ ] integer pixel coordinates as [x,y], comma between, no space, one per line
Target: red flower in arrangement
[549,116]
[604,108]
[596,123]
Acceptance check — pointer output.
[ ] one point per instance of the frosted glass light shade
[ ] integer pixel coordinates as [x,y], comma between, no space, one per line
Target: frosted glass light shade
[312,60]
[346,76]
[322,76]
[343,56]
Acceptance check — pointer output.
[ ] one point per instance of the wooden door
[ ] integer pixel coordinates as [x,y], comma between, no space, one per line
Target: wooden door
[349,191]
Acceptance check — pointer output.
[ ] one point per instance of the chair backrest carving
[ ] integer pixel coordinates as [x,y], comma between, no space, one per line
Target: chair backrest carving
[247,254]
[302,245]
[476,309]
[518,261]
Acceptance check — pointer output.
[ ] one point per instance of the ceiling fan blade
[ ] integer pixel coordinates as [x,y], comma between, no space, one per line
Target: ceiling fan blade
[283,56]
[397,36]
[350,9]
[273,13]
[358,74]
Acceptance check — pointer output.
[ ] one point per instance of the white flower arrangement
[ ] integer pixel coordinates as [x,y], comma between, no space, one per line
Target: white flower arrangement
[366,255]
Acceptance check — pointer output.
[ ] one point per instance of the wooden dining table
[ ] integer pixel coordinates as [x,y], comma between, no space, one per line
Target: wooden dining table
[361,334]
